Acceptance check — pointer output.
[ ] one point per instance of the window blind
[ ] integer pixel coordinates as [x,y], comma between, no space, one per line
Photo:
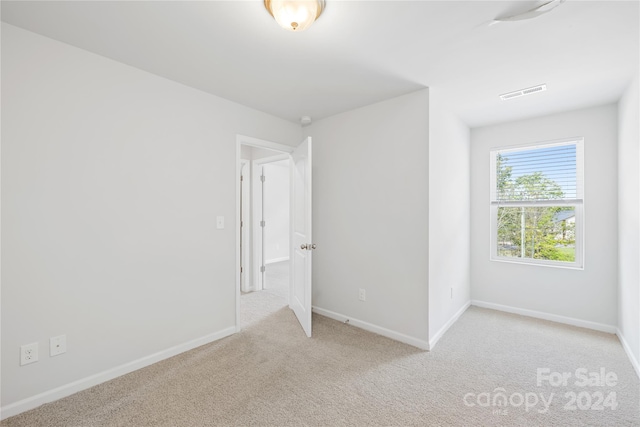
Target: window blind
[534,175]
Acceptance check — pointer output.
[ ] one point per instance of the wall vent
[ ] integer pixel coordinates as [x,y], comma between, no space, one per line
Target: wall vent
[523,92]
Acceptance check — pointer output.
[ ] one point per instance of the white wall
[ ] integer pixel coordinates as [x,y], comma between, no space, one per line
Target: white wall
[589,294]
[111,182]
[276,211]
[370,214]
[449,223]
[628,221]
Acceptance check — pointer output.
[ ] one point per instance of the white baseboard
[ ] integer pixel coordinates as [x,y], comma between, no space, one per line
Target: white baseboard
[627,350]
[85,383]
[274,260]
[547,316]
[416,342]
[434,340]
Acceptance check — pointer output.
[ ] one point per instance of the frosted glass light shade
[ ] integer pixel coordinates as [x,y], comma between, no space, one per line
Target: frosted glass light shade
[295,15]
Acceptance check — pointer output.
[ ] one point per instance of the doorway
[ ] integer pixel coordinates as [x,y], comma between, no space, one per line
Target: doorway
[267,257]
[264,232]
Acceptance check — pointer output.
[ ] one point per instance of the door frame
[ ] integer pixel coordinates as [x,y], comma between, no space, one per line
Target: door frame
[252,142]
[246,227]
[257,201]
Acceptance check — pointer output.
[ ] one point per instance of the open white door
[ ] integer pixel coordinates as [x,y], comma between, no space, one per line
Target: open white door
[301,243]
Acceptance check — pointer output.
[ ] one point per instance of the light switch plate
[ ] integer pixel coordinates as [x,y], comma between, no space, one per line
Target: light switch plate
[220,222]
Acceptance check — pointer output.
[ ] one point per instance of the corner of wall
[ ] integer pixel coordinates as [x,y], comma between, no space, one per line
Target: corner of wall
[628,288]
[449,216]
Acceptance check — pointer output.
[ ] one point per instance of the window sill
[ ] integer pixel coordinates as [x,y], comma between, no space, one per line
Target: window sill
[565,266]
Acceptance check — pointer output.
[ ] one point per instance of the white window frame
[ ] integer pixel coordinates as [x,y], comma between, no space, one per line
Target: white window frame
[577,204]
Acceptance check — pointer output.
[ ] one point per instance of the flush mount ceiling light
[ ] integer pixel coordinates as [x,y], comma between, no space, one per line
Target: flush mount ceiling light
[295,15]
[547,6]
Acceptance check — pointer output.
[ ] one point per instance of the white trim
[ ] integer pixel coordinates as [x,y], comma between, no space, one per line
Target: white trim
[247,236]
[627,349]
[416,342]
[274,260]
[261,143]
[237,247]
[539,144]
[257,244]
[92,380]
[433,341]
[271,159]
[538,262]
[547,316]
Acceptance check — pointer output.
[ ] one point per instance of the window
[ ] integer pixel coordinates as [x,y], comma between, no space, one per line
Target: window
[537,204]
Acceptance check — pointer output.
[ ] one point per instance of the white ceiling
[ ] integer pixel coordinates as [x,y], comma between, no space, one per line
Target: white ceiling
[360,52]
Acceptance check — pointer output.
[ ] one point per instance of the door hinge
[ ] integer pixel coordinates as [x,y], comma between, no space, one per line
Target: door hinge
[262,178]
[262,269]
[241,178]
[241,270]
[262,223]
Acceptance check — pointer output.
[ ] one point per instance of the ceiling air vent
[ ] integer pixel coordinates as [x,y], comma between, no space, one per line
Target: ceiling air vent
[523,92]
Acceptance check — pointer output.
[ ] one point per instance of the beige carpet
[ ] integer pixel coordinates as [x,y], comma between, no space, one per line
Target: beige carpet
[270,374]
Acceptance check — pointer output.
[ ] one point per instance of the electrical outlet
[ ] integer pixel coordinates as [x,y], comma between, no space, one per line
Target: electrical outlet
[28,353]
[362,295]
[57,345]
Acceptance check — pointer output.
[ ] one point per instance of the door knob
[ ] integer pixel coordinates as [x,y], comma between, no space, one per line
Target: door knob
[303,246]
[313,246]
[308,246]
